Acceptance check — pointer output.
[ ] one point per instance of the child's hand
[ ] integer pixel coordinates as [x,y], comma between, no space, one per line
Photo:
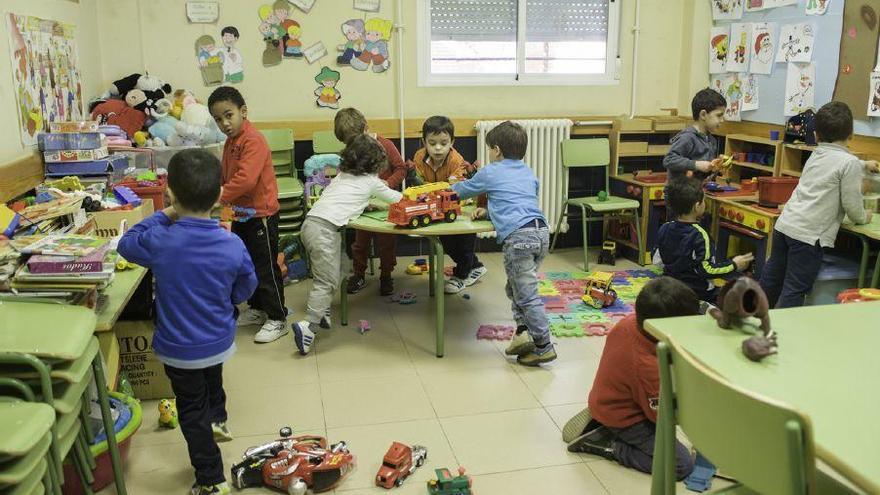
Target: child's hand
[479,213]
[227,226]
[171,213]
[868,216]
[704,166]
[743,261]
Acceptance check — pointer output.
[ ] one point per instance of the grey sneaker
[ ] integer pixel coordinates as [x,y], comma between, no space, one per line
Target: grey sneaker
[251,316]
[221,432]
[218,489]
[538,355]
[271,331]
[576,426]
[522,343]
[303,336]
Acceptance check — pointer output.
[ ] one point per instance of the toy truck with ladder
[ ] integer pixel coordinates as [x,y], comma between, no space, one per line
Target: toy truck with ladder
[424,204]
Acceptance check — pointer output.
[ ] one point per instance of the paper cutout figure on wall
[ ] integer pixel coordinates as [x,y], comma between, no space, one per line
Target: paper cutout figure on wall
[354,32]
[800,88]
[750,92]
[740,41]
[271,36]
[292,45]
[210,60]
[233,64]
[817,7]
[795,43]
[717,49]
[328,95]
[727,9]
[874,98]
[763,47]
[280,33]
[377,32]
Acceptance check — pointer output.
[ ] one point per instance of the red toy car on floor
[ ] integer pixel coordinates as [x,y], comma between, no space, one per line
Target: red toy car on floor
[399,462]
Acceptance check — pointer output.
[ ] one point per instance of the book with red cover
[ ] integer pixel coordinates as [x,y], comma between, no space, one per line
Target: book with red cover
[91,263]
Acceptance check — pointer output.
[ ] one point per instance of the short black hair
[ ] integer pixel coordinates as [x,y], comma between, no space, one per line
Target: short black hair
[226,93]
[231,30]
[362,155]
[682,194]
[707,99]
[438,124]
[511,138]
[665,297]
[194,179]
[834,122]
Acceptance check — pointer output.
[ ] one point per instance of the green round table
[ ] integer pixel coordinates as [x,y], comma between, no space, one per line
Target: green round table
[376,221]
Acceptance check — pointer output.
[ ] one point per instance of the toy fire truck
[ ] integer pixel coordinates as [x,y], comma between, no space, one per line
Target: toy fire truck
[598,292]
[424,204]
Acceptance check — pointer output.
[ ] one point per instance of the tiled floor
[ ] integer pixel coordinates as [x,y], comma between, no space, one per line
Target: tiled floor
[473,407]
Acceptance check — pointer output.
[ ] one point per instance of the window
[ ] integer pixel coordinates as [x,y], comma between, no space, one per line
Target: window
[474,42]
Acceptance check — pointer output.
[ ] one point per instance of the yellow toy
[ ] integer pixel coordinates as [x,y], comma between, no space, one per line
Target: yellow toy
[167,413]
[413,193]
[140,138]
[69,183]
[598,292]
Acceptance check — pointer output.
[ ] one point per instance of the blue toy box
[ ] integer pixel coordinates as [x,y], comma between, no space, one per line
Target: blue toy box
[69,141]
[106,166]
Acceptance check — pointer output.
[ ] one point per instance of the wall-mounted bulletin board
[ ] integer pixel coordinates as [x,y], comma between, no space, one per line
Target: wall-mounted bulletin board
[819,46]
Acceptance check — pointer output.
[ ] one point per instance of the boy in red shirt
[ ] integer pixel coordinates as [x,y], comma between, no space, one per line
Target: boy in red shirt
[620,422]
[249,182]
[350,122]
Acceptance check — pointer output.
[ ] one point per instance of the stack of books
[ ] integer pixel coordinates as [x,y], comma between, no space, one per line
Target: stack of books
[78,149]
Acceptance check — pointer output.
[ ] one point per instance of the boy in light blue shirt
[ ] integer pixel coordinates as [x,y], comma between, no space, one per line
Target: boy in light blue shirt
[522,232]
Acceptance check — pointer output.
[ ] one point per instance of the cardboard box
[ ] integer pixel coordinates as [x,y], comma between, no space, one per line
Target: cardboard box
[659,148]
[76,126]
[107,222]
[632,147]
[65,156]
[137,360]
[635,124]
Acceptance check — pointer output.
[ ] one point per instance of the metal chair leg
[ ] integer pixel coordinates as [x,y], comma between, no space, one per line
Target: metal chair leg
[562,214]
[79,455]
[115,459]
[585,236]
[639,237]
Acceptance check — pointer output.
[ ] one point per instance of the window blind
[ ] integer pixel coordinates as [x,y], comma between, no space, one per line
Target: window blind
[566,20]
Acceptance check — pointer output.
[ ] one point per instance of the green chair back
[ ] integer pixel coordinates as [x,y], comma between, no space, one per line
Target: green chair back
[326,142]
[281,144]
[578,153]
[763,444]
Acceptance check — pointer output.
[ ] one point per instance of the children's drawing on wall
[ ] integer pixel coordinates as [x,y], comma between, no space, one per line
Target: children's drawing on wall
[45,75]
[210,60]
[727,9]
[717,49]
[795,43]
[800,88]
[233,64]
[753,5]
[328,95]
[730,87]
[750,99]
[874,98]
[817,7]
[353,30]
[377,33]
[739,51]
[280,33]
[763,47]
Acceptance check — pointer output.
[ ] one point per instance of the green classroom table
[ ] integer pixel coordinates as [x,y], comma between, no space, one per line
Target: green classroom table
[866,233]
[376,221]
[118,294]
[827,368]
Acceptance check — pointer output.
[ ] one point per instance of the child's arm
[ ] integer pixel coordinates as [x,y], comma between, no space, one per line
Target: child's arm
[138,242]
[474,186]
[704,262]
[397,166]
[649,398]
[385,193]
[851,192]
[246,282]
[676,159]
[253,157]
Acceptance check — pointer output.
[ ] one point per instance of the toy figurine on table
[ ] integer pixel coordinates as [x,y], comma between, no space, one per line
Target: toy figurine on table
[424,204]
[740,299]
[294,464]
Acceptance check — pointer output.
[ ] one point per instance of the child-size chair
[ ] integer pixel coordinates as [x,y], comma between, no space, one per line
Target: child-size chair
[326,142]
[595,153]
[281,145]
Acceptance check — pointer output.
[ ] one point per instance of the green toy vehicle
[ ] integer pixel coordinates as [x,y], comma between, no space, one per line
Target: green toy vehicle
[446,484]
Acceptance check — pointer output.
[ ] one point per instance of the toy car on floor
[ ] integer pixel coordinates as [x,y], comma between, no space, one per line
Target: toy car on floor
[446,484]
[399,462]
[598,292]
[608,255]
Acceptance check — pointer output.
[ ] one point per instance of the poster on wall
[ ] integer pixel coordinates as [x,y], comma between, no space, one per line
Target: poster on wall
[874,97]
[800,88]
[750,92]
[730,87]
[202,11]
[817,7]
[739,51]
[315,52]
[304,5]
[718,37]
[763,46]
[858,52]
[795,43]
[755,5]
[46,79]
[727,9]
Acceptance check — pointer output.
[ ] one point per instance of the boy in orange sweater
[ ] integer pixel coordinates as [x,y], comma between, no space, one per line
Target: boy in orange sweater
[438,161]
[249,182]
[349,122]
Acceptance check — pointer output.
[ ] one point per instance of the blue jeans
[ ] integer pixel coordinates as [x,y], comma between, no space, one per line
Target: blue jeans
[791,271]
[524,249]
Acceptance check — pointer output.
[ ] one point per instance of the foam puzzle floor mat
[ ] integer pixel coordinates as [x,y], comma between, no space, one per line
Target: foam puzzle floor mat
[570,317]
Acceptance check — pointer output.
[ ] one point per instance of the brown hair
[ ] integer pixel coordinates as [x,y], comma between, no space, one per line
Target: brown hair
[511,138]
[362,155]
[348,123]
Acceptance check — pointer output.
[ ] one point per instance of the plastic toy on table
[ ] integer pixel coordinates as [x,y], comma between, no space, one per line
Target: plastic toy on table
[446,484]
[417,267]
[126,196]
[740,299]
[66,184]
[858,295]
[167,414]
[424,204]
[598,292]
[399,462]
[236,213]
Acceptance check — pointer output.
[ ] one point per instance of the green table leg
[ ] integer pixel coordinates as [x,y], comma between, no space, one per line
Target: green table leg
[432,265]
[863,266]
[343,293]
[437,285]
[876,277]
[115,459]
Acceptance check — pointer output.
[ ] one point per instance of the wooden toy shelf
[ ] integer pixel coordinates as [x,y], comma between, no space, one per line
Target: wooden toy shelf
[794,156]
[642,137]
[763,155]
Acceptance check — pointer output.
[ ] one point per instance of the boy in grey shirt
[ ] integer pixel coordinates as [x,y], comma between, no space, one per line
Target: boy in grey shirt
[830,186]
[694,149]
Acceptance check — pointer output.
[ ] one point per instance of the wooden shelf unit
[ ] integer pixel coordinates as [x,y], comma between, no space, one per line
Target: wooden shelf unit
[654,131]
[743,143]
[794,156]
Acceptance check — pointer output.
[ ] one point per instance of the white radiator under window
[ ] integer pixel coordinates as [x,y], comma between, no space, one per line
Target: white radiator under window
[542,156]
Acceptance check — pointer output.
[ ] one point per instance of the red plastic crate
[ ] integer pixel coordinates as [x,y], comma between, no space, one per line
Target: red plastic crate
[156,193]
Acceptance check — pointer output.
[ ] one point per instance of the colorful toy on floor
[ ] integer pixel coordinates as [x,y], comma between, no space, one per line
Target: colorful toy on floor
[399,462]
[167,413]
[403,298]
[418,267]
[738,300]
[608,255]
[598,292]
[446,484]
[424,204]
[700,479]
[858,295]
[294,464]
[495,332]
[363,326]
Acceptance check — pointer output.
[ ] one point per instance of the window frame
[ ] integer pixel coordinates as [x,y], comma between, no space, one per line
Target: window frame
[611,76]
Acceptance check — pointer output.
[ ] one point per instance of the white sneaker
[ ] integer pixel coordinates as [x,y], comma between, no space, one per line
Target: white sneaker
[453,285]
[221,432]
[271,331]
[251,316]
[303,336]
[475,275]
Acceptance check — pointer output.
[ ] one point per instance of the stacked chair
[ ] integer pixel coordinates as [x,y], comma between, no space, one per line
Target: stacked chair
[49,357]
[290,188]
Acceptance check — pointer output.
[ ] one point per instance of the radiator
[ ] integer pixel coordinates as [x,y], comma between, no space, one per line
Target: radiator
[542,156]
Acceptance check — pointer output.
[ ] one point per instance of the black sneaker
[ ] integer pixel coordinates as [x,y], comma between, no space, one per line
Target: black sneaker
[386,286]
[355,284]
[598,441]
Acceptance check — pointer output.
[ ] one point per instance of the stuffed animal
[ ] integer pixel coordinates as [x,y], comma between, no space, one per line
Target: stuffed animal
[197,115]
[164,129]
[143,92]
[167,413]
[118,112]
[182,98]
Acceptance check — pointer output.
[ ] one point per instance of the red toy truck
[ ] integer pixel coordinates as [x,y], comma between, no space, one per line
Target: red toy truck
[424,204]
[399,462]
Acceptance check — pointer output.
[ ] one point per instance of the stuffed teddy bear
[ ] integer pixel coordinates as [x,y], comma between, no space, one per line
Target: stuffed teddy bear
[142,92]
[196,114]
[118,112]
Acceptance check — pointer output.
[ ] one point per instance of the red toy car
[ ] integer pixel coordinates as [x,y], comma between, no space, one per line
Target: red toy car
[424,204]
[399,462]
